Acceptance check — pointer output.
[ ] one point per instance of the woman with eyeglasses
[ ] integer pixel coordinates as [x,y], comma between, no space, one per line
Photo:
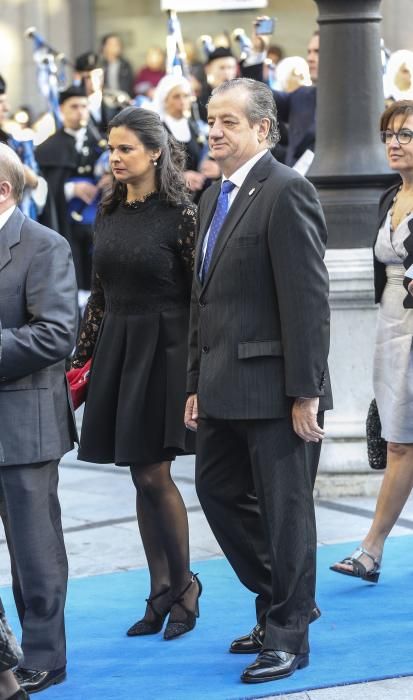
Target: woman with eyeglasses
[393,361]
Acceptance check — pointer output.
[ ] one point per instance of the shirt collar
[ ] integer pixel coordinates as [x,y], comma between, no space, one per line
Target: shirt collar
[239,176]
[5,216]
[76,133]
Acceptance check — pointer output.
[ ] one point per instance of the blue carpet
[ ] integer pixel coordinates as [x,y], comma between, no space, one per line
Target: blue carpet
[364,633]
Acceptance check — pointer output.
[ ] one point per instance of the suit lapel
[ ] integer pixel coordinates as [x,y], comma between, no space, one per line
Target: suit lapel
[246,195]
[10,236]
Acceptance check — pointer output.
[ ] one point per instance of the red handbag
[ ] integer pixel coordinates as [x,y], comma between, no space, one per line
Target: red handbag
[78,379]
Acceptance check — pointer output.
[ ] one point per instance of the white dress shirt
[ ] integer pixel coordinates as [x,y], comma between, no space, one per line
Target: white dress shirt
[5,216]
[238,179]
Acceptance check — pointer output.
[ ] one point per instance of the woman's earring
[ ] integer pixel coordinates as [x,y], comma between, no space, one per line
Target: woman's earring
[155,162]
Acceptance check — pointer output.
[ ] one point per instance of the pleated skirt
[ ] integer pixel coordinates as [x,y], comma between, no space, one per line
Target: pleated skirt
[136,396]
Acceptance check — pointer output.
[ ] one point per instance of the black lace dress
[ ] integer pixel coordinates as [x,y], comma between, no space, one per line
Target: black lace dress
[135,328]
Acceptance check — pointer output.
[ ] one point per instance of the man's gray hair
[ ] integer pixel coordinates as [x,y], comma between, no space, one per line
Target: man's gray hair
[11,169]
[261,104]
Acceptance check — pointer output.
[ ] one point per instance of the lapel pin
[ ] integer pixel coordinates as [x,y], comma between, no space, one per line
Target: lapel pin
[251,192]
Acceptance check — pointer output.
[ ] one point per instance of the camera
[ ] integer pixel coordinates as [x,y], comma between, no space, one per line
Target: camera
[265,26]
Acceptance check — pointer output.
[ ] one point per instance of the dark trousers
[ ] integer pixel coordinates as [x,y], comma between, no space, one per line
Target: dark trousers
[30,511]
[255,479]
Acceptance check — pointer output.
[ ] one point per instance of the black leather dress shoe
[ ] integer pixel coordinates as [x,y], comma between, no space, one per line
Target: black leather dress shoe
[272,665]
[35,681]
[252,643]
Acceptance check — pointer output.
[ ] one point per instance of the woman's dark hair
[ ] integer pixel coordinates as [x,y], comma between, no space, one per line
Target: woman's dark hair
[169,172]
[400,108]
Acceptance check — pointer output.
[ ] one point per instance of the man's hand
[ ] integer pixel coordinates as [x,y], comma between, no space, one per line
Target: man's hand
[194,180]
[304,417]
[260,42]
[105,182]
[410,287]
[191,412]
[30,177]
[85,191]
[210,169]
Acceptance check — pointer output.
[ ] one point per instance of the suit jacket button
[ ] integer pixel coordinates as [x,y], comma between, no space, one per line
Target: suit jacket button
[205,348]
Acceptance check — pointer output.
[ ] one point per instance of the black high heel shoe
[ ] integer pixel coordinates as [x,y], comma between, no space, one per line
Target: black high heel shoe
[176,629]
[142,627]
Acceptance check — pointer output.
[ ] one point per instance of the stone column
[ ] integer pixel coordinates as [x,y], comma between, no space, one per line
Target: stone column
[350,171]
[349,167]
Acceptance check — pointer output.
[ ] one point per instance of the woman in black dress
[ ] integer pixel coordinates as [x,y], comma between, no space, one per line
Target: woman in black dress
[135,329]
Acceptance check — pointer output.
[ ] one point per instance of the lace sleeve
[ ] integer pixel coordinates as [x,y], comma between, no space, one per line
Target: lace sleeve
[90,325]
[186,240]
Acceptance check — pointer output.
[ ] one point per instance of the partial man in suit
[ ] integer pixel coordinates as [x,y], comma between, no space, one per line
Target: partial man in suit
[38,317]
[257,373]
[298,108]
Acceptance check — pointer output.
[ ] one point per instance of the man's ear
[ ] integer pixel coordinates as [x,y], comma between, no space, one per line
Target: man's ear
[263,129]
[5,190]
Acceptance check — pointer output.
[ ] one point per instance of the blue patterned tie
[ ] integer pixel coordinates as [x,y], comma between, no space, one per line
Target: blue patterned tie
[218,219]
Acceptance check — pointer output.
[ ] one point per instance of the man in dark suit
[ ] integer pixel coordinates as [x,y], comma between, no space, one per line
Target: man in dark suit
[257,374]
[298,108]
[38,318]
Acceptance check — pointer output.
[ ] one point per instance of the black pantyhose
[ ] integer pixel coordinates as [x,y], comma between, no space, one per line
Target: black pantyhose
[163,525]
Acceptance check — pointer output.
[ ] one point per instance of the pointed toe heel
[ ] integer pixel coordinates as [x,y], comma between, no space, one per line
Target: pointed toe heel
[144,627]
[179,627]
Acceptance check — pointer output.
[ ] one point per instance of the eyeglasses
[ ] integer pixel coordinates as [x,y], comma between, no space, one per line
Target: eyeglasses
[403,137]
